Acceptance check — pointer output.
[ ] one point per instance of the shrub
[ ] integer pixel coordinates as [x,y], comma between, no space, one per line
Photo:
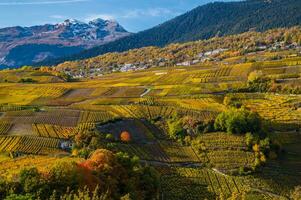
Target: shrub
[249,139]
[104,175]
[175,129]
[257,162]
[126,197]
[238,121]
[199,145]
[99,160]
[206,127]
[65,77]
[262,158]
[30,180]
[20,197]
[64,174]
[260,85]
[109,137]
[83,138]
[265,145]
[125,136]
[256,148]
[255,75]
[36,109]
[296,194]
[84,152]
[27,80]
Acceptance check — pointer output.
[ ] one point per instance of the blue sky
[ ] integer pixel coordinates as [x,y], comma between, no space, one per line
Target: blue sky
[134,15]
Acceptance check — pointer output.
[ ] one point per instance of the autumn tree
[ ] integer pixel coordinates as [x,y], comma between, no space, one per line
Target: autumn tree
[30,180]
[64,174]
[238,121]
[100,160]
[125,136]
[296,194]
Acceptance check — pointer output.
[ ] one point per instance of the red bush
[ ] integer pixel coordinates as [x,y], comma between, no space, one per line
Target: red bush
[125,136]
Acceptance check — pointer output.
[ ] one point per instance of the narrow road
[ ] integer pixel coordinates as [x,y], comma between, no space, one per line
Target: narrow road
[146,92]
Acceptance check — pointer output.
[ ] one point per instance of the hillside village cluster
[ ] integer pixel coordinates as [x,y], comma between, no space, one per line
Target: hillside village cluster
[162,62]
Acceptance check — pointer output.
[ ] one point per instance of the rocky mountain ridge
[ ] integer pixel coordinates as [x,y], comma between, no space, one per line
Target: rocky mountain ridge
[28,45]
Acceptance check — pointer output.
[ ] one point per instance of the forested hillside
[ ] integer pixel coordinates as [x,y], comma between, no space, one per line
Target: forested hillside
[227,50]
[213,19]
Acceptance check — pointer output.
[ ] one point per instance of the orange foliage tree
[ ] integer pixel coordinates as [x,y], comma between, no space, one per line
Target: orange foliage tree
[101,162]
[125,136]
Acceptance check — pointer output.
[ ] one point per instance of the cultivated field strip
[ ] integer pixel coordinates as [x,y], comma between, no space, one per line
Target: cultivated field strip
[204,182]
[160,152]
[10,168]
[29,145]
[4,127]
[93,116]
[62,117]
[53,131]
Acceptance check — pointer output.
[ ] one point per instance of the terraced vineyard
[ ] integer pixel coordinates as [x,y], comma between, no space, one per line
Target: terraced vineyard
[9,168]
[204,184]
[173,119]
[88,116]
[221,148]
[53,131]
[55,117]
[159,153]
[4,127]
[29,145]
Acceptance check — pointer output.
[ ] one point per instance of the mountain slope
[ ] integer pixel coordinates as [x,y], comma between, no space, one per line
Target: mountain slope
[217,49]
[28,45]
[208,21]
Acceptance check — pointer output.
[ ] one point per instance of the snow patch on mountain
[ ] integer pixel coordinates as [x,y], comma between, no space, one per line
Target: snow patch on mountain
[69,33]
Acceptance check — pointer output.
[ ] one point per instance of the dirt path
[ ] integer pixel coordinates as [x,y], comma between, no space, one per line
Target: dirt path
[172,164]
[269,193]
[219,172]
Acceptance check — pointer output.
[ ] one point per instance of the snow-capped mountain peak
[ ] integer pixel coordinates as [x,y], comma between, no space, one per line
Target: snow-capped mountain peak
[69,22]
[70,33]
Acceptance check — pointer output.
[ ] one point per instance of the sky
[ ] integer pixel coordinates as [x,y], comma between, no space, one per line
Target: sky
[133,15]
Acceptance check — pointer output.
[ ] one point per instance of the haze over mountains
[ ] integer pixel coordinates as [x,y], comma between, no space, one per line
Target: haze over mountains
[28,45]
[73,40]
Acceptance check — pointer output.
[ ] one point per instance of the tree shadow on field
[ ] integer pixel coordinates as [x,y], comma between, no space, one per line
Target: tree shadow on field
[283,173]
[175,187]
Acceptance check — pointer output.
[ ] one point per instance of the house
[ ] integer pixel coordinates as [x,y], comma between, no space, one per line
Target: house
[262,47]
[195,61]
[200,55]
[66,145]
[185,63]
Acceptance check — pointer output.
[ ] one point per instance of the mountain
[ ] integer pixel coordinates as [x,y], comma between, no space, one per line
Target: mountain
[29,45]
[213,19]
[261,45]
